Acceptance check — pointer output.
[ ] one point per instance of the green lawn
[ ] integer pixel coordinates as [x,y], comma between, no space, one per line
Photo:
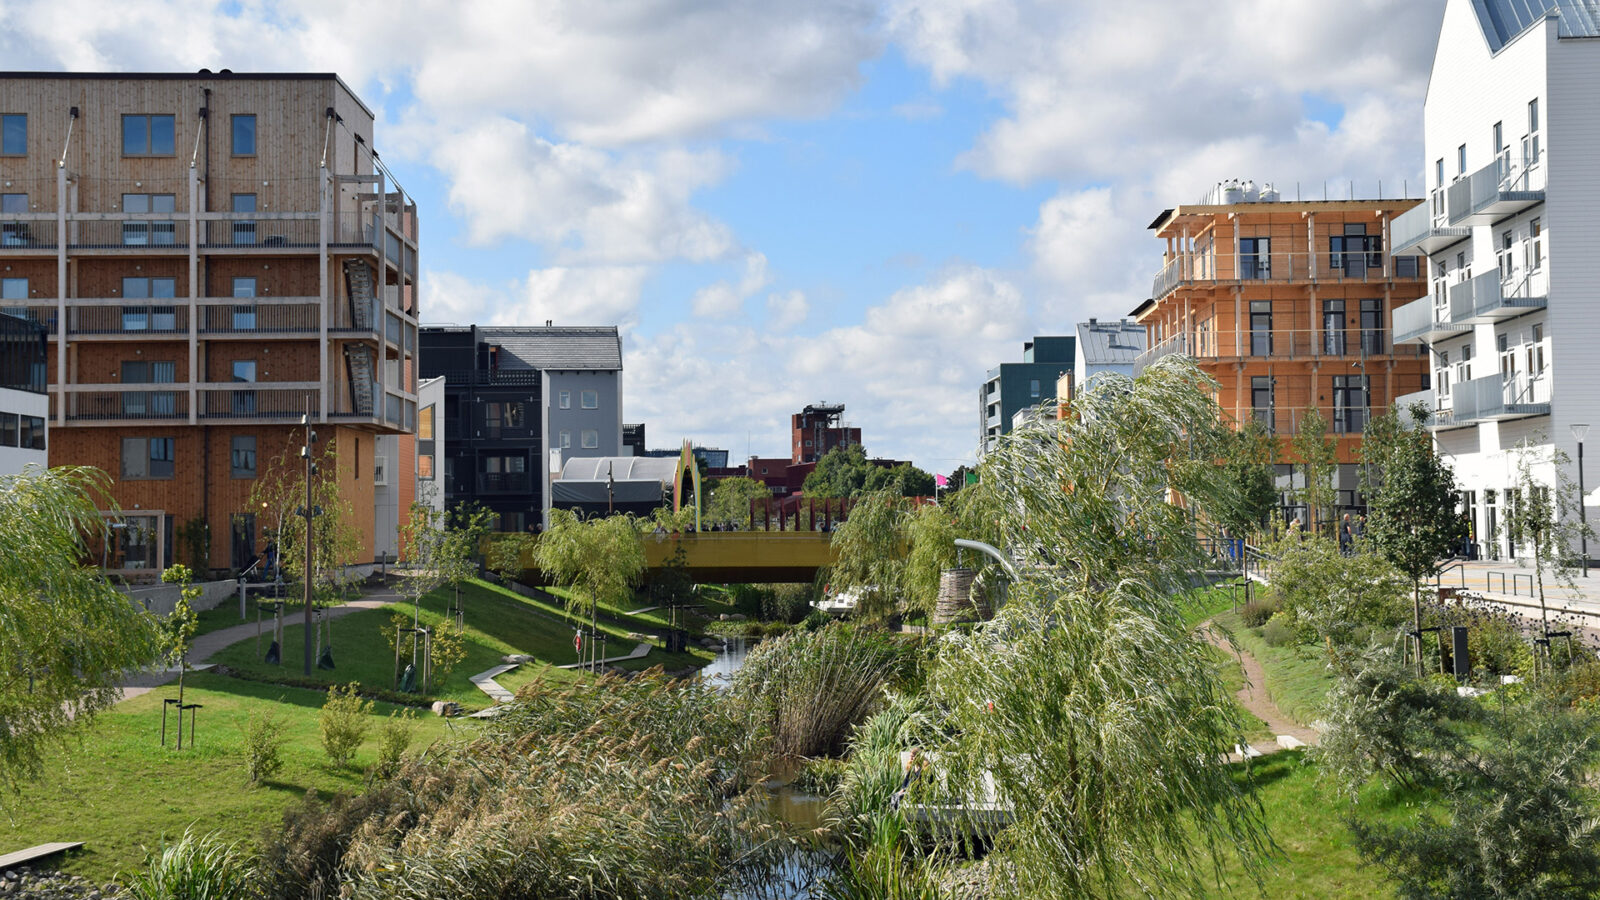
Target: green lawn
[1232,680]
[1297,676]
[115,788]
[1317,858]
[1203,603]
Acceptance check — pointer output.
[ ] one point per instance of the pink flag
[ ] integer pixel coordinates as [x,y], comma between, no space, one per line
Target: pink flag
[941,481]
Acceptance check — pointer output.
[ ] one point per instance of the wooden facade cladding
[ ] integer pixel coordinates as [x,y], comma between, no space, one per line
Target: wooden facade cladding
[165,278]
[1285,305]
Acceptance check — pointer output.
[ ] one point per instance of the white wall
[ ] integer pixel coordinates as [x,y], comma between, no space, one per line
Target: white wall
[23,403]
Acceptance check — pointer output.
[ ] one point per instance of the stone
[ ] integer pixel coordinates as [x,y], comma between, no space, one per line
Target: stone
[446,708]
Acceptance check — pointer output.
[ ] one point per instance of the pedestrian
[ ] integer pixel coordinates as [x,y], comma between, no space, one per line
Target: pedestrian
[1347,535]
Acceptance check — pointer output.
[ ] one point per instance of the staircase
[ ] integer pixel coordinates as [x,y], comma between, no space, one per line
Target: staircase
[358,286]
[358,362]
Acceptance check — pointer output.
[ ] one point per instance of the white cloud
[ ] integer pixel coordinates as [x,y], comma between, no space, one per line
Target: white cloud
[724,298]
[786,310]
[567,295]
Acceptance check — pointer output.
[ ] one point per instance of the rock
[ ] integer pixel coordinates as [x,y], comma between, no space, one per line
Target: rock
[736,617]
[724,617]
[446,708]
[518,658]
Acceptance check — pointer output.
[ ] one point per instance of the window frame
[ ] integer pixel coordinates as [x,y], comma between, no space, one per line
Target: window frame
[31,432]
[565,399]
[147,458]
[233,134]
[237,451]
[149,135]
[589,399]
[589,439]
[4,117]
[10,429]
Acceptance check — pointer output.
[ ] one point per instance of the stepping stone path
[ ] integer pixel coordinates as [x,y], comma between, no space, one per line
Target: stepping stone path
[485,680]
[1286,734]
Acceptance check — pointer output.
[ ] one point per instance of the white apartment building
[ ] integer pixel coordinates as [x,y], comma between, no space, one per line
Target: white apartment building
[1511,135]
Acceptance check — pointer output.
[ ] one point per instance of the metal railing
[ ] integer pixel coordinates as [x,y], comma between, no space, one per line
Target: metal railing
[1347,342]
[142,231]
[258,400]
[1213,267]
[1495,397]
[250,231]
[1499,188]
[1418,229]
[249,316]
[119,404]
[504,482]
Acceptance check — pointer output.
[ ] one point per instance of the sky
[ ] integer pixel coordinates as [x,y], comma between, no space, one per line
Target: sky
[781,203]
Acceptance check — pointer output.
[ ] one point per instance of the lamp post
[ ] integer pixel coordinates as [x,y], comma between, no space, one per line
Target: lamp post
[309,511]
[1579,432]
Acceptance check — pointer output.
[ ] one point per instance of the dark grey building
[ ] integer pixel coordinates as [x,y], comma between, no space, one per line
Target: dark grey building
[1012,387]
[519,401]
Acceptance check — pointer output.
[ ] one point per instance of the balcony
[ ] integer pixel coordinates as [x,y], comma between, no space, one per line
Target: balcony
[1488,299]
[1418,230]
[28,232]
[1500,189]
[1288,422]
[1420,320]
[260,232]
[122,404]
[1440,415]
[1494,398]
[1348,343]
[1213,269]
[504,483]
[1178,343]
[255,401]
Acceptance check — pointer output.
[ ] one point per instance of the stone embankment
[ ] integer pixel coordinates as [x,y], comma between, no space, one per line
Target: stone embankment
[28,883]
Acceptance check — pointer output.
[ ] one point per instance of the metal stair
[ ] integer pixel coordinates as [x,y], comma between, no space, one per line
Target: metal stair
[358,362]
[358,286]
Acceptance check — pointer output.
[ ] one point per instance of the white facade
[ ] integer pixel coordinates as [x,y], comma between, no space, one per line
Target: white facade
[1509,228]
[23,428]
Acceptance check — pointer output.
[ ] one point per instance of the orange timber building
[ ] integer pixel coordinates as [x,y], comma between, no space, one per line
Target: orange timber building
[212,255]
[1288,305]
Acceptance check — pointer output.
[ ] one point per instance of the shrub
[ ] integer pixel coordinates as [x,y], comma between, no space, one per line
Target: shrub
[787,602]
[1278,632]
[394,736]
[344,722]
[1256,613]
[194,868]
[263,746]
[302,854]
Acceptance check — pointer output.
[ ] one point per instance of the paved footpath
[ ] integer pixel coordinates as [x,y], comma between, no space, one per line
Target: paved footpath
[207,645]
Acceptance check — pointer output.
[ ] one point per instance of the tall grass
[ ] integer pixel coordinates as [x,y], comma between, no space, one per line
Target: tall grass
[196,867]
[811,687]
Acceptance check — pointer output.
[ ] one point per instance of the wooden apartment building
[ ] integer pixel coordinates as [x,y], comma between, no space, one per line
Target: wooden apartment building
[213,255]
[1288,305]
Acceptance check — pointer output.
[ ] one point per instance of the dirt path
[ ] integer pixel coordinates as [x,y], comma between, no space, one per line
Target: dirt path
[1253,697]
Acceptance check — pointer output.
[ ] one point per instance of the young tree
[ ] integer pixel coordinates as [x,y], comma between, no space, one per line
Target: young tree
[1251,453]
[1546,520]
[66,635]
[731,500]
[1094,711]
[280,496]
[177,630]
[870,549]
[597,561]
[1334,597]
[1411,504]
[466,527]
[1319,462]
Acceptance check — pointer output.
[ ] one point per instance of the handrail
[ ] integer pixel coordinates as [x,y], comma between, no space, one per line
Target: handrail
[1438,577]
[1488,581]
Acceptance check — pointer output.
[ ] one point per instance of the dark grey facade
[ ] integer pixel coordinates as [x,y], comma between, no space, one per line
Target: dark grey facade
[1011,387]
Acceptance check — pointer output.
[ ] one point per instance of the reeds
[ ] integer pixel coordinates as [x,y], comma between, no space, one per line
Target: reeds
[811,687]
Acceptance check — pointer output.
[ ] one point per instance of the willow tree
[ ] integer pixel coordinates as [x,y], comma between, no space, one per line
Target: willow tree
[596,560]
[66,635]
[1094,712]
[870,552]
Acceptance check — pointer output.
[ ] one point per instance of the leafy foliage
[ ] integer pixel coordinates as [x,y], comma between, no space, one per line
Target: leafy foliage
[1335,598]
[263,746]
[1318,460]
[1248,461]
[195,867]
[66,635]
[731,500]
[1087,701]
[343,722]
[394,736]
[846,472]
[1546,519]
[280,496]
[870,546]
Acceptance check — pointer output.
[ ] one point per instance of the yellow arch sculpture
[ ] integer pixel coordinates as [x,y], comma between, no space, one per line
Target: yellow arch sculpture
[686,463]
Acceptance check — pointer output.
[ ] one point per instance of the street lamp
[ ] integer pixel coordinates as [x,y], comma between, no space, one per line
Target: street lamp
[1579,432]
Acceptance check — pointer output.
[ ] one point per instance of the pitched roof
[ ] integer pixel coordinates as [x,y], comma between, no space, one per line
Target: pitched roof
[1111,343]
[1503,20]
[556,347]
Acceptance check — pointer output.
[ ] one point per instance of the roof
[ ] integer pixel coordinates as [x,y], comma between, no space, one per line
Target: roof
[201,75]
[1503,20]
[557,347]
[659,469]
[1111,343]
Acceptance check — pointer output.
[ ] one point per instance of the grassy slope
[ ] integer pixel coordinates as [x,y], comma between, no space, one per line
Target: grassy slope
[1297,677]
[116,789]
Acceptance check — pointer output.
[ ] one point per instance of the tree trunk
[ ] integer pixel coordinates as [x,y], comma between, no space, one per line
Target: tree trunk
[1416,619]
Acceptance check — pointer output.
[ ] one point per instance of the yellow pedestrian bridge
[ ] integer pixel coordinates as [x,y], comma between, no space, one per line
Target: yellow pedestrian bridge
[715,557]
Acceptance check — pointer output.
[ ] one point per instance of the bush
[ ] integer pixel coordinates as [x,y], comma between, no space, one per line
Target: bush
[819,777]
[1256,613]
[787,603]
[194,868]
[302,854]
[1278,632]
[394,736]
[263,746]
[344,721]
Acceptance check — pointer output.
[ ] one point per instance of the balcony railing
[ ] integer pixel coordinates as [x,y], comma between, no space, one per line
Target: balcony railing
[27,231]
[504,483]
[1487,298]
[1210,268]
[1349,342]
[1495,397]
[123,402]
[1422,320]
[1500,189]
[260,316]
[256,400]
[1348,420]
[1417,231]
[262,231]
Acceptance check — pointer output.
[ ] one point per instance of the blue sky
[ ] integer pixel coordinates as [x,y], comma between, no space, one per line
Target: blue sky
[780,203]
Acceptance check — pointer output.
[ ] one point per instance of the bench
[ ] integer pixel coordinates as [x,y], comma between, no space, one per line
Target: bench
[22,857]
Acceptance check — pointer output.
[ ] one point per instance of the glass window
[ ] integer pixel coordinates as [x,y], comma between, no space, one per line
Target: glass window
[1438,172]
[243,456]
[244,370]
[149,318]
[566,399]
[1033,391]
[566,440]
[1349,404]
[591,439]
[425,466]
[148,136]
[13,135]
[1261,400]
[1533,114]
[425,423]
[147,458]
[244,315]
[15,234]
[1535,247]
[591,399]
[1461,160]
[32,433]
[161,457]
[1333,333]
[145,232]
[244,231]
[1260,327]
[14,289]
[8,429]
[244,135]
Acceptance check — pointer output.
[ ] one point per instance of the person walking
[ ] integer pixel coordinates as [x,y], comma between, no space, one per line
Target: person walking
[1346,535]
